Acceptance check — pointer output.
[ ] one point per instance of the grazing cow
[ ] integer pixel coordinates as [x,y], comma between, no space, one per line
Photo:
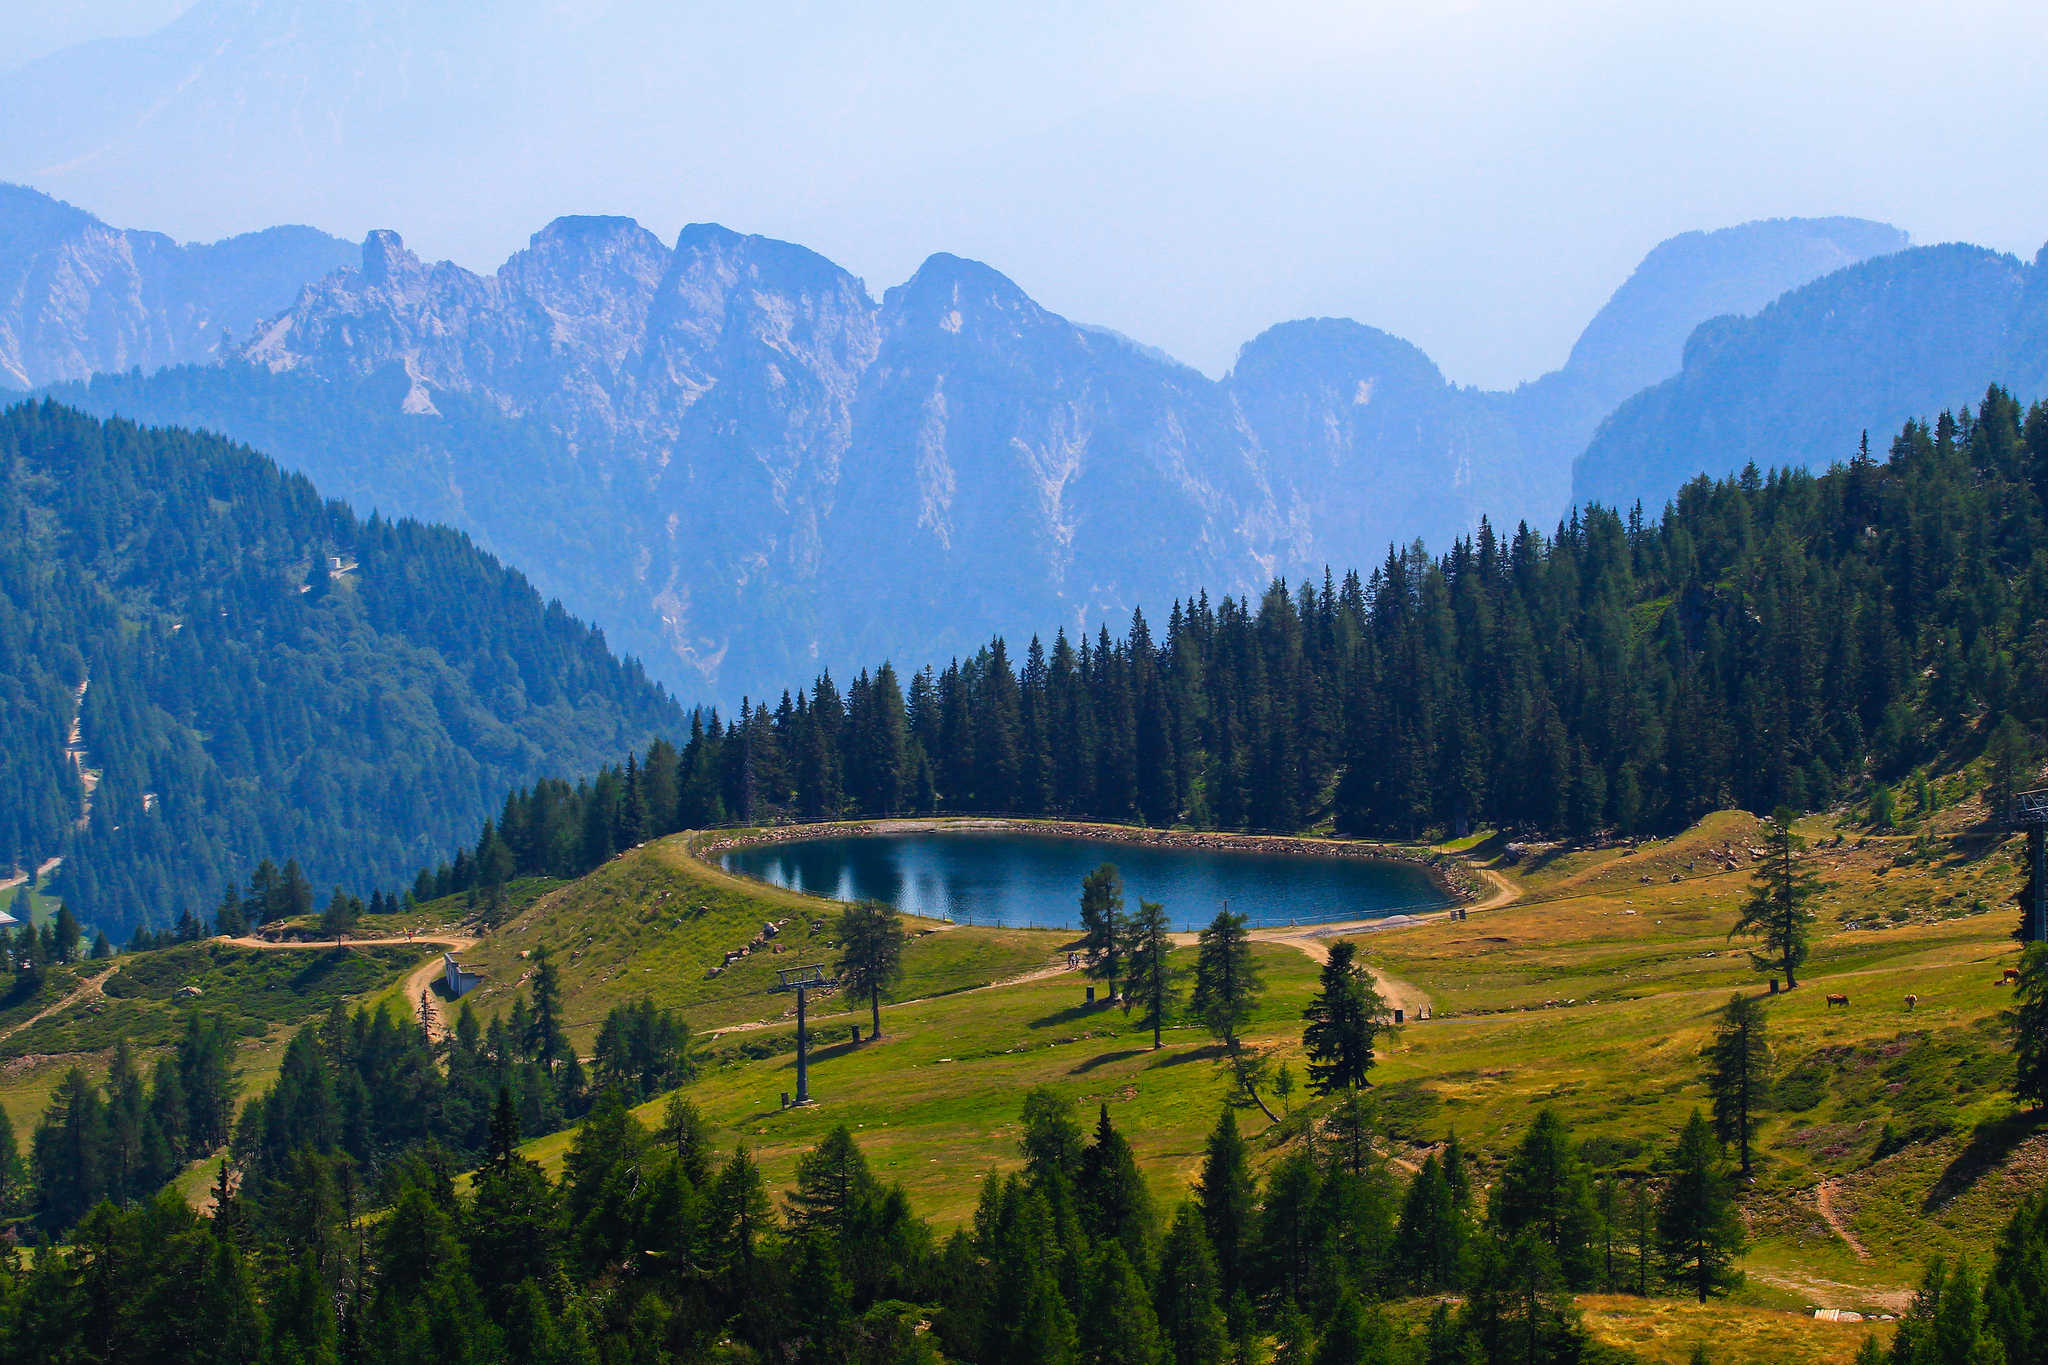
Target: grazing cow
[1841,1000]
[1911,1001]
[2011,977]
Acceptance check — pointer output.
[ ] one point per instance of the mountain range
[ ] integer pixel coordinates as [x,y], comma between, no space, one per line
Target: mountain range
[745,467]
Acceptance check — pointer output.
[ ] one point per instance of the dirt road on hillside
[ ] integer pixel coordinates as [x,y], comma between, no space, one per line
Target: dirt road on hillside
[420,983]
[85,990]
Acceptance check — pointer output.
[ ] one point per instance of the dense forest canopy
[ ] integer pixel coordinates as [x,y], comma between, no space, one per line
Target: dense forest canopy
[1771,640]
[241,701]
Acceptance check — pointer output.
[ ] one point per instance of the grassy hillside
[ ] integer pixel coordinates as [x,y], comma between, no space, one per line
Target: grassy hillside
[658,921]
[268,994]
[1594,993]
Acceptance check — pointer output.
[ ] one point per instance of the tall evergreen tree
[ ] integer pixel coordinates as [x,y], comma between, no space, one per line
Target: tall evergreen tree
[1699,1229]
[1150,982]
[1344,1020]
[870,954]
[1739,1072]
[1776,913]
[1227,987]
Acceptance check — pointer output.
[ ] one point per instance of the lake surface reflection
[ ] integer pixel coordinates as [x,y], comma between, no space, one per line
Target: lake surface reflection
[1006,878]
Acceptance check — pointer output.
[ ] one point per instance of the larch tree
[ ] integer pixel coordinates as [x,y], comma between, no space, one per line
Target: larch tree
[1227,987]
[1777,913]
[870,953]
[1104,937]
[1739,1072]
[1150,980]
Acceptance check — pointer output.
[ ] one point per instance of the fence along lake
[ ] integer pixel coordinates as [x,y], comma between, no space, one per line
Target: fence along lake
[1018,880]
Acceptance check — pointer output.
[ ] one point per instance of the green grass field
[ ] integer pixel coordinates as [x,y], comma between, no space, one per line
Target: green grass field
[1594,993]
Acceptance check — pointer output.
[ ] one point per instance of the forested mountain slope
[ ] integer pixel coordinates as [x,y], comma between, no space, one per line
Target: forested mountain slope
[241,702]
[1770,641]
[1859,350]
[790,472]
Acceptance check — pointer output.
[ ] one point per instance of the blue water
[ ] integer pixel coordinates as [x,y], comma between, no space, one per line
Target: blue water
[1034,880]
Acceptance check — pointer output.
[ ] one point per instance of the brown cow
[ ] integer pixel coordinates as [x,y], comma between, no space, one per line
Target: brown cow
[1841,1000]
[2011,978]
[1911,1001]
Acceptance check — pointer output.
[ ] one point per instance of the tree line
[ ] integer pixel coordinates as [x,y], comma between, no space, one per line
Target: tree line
[651,1247]
[1771,640]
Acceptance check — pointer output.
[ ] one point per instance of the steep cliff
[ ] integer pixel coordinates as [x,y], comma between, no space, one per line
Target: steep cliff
[78,297]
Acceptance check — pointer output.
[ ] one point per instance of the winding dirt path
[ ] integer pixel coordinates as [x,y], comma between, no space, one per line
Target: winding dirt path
[1824,1199]
[417,985]
[86,990]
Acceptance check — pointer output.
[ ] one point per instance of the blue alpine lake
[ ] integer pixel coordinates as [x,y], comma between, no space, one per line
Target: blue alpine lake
[1018,880]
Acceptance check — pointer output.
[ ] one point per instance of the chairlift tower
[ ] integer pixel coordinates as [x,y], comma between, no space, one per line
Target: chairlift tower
[801,980]
[2029,812]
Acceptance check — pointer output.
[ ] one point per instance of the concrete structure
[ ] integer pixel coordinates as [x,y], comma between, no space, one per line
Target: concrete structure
[460,983]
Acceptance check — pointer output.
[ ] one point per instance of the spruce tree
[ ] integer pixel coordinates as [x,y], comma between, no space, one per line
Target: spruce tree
[1546,1192]
[834,1188]
[1344,1019]
[544,1041]
[1119,1327]
[1190,1321]
[1699,1228]
[2029,1022]
[1052,1143]
[1111,1194]
[1227,1200]
[1739,1072]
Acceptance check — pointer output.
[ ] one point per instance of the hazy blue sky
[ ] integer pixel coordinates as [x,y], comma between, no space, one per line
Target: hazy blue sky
[1476,177]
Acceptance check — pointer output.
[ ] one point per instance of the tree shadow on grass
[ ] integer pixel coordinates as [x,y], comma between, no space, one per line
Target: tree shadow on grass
[1215,1052]
[1071,1015]
[1105,1058]
[1993,1141]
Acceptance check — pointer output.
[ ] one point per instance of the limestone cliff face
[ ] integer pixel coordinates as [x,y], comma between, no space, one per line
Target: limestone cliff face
[730,454]
[78,297]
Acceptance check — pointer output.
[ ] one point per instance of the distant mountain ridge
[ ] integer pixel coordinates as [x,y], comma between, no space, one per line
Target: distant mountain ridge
[745,466]
[1863,348]
[78,297]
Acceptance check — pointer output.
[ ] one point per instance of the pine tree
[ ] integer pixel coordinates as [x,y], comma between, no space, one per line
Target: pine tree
[1344,1019]
[1699,1229]
[1739,1072]
[1776,913]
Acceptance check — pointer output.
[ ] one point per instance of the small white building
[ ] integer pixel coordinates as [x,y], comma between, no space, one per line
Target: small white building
[460,983]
